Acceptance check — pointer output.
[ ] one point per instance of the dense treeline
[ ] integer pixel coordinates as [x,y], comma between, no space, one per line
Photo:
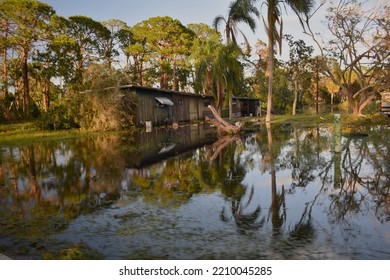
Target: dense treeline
[49,62]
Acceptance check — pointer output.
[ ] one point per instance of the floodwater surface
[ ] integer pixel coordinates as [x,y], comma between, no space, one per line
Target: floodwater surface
[277,193]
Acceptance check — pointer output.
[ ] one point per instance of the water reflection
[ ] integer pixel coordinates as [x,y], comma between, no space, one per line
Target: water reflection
[279,193]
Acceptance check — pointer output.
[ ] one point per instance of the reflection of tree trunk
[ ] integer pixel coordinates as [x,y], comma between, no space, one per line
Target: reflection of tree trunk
[337,171]
[296,137]
[15,183]
[219,145]
[274,199]
[337,151]
[35,190]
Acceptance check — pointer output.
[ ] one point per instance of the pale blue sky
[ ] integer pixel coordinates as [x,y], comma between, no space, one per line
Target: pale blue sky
[134,11]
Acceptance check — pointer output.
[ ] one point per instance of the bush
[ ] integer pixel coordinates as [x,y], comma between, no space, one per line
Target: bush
[106,110]
[98,111]
[60,116]
[92,110]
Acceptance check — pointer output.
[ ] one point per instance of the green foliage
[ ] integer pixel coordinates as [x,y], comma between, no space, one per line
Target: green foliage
[61,115]
[167,43]
[97,111]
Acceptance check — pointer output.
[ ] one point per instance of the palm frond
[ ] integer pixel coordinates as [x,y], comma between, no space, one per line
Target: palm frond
[217,20]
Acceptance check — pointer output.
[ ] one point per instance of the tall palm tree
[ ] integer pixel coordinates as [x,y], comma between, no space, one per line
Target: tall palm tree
[239,11]
[274,28]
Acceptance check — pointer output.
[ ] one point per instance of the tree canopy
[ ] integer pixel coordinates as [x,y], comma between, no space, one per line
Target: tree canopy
[46,57]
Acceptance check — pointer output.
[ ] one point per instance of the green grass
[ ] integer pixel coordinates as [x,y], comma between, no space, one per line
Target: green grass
[367,120]
[28,132]
[306,120]
[303,120]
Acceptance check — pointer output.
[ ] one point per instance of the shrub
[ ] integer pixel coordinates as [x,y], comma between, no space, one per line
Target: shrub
[105,110]
[61,115]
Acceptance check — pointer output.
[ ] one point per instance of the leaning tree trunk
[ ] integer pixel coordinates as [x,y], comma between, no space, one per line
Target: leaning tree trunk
[222,125]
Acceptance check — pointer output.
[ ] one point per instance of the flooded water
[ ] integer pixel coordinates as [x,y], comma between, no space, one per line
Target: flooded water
[279,193]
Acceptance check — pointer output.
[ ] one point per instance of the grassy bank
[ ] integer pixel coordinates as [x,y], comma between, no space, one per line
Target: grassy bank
[28,132]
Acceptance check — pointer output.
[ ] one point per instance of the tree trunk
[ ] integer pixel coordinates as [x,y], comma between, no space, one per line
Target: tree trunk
[5,74]
[270,68]
[220,97]
[26,86]
[231,105]
[222,125]
[46,94]
[5,69]
[294,109]
[175,83]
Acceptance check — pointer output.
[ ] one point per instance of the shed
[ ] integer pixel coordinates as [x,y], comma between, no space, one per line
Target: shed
[245,106]
[161,107]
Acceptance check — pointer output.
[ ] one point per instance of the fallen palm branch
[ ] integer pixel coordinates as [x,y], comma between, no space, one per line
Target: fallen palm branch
[222,125]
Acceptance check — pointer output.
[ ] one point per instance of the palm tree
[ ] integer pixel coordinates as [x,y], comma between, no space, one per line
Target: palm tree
[219,69]
[274,28]
[239,11]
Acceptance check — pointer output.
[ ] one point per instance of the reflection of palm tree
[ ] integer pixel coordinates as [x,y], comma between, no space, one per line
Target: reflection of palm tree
[303,231]
[278,199]
[244,221]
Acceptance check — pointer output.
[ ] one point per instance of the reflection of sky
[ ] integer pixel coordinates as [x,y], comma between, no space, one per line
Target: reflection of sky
[63,155]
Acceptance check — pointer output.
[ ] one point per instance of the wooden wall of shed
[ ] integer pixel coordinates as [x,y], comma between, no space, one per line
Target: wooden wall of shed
[186,108]
[190,108]
[180,109]
[148,111]
[203,107]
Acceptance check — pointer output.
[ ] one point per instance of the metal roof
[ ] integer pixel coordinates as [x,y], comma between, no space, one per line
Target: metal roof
[164,101]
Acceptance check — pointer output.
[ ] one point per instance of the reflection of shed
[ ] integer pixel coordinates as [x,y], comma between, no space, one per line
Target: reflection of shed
[166,106]
[162,143]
